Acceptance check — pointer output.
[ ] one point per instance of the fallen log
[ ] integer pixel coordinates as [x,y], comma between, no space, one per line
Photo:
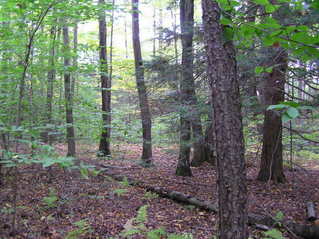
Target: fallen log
[311,212]
[304,231]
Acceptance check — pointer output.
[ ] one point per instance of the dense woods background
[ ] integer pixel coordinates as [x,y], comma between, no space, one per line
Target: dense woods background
[202,93]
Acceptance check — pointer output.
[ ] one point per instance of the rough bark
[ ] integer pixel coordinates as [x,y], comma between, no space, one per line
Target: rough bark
[141,88]
[104,148]
[223,77]
[271,166]
[68,94]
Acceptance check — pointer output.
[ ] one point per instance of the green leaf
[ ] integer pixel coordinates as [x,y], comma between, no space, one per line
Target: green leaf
[274,234]
[259,70]
[290,103]
[271,8]
[156,233]
[279,216]
[277,107]
[261,2]
[142,214]
[315,5]
[268,69]
[226,21]
[293,112]
[285,117]
[84,172]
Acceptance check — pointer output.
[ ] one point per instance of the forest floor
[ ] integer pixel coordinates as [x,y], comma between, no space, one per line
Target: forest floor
[100,207]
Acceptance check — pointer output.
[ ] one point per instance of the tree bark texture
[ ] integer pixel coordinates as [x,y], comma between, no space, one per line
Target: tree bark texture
[104,148]
[186,86]
[223,77]
[273,92]
[141,88]
[68,94]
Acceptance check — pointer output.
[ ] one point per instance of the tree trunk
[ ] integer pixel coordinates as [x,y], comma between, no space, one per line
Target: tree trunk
[273,92]
[104,148]
[51,79]
[154,31]
[223,77]
[141,88]
[186,86]
[75,59]
[271,167]
[68,94]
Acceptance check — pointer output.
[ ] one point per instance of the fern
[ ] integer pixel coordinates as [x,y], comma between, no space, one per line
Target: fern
[142,214]
[273,234]
[120,191]
[156,233]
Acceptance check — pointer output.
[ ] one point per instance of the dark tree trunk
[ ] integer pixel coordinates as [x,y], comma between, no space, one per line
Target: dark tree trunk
[68,94]
[273,92]
[51,79]
[104,148]
[223,77]
[141,88]
[200,154]
[209,146]
[186,86]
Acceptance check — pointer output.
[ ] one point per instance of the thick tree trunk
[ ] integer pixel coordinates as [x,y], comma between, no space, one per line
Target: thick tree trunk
[223,77]
[141,88]
[104,148]
[68,94]
[271,167]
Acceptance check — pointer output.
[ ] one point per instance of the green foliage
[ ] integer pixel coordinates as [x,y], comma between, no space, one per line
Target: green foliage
[156,233]
[142,214]
[273,234]
[125,182]
[290,109]
[150,195]
[120,191]
[139,228]
[51,201]
[82,229]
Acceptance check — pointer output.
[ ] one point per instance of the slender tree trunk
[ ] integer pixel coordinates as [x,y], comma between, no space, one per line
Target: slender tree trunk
[51,79]
[111,47]
[125,38]
[75,60]
[68,94]
[104,148]
[186,86]
[141,88]
[223,77]
[154,31]
[160,40]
